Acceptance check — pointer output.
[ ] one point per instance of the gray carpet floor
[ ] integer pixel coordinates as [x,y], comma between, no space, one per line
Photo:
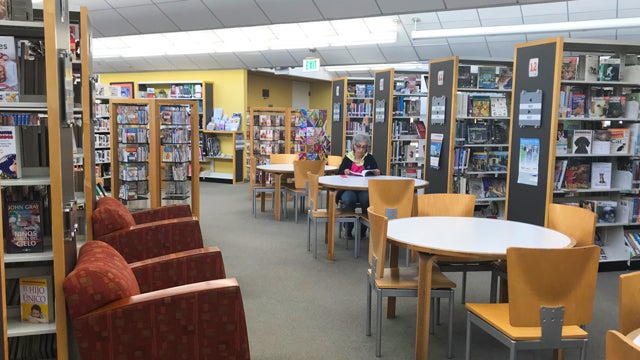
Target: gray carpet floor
[298,307]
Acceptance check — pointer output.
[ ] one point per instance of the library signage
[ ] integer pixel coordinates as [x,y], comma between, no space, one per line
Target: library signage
[311,64]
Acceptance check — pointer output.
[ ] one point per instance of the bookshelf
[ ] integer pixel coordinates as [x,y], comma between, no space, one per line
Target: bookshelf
[268,132]
[47,167]
[200,91]
[583,104]
[223,154]
[102,141]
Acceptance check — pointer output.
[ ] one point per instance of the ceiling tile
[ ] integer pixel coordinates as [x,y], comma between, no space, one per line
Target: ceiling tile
[148,19]
[237,12]
[540,36]
[471,50]
[630,34]
[627,13]
[159,63]
[254,60]
[367,55]
[337,9]
[467,40]
[110,23]
[465,4]
[433,52]
[503,49]
[459,15]
[500,13]
[423,18]
[203,61]
[399,53]
[408,6]
[228,61]
[199,17]
[589,5]
[280,11]
[301,54]
[592,15]
[127,3]
[336,56]
[182,62]
[501,22]
[541,19]
[546,9]
[628,4]
[594,34]
[280,58]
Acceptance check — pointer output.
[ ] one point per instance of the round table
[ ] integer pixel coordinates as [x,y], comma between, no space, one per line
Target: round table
[462,236]
[333,183]
[278,170]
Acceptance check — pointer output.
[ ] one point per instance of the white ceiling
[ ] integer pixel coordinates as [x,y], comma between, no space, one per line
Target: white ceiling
[129,17]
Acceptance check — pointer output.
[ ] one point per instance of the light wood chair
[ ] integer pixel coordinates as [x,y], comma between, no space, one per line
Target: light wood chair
[391,194]
[283,158]
[334,160]
[575,222]
[550,298]
[628,302]
[258,189]
[397,281]
[443,204]
[299,189]
[316,215]
[620,347]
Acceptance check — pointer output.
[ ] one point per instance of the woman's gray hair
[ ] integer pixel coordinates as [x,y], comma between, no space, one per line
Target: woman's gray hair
[360,137]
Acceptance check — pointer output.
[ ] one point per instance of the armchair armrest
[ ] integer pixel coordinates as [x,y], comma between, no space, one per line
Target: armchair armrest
[195,321]
[185,267]
[140,242]
[162,213]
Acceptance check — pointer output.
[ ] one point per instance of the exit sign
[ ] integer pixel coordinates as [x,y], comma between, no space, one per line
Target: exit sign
[311,64]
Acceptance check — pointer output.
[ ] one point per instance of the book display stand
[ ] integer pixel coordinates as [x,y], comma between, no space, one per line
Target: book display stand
[47,170]
[223,157]
[585,127]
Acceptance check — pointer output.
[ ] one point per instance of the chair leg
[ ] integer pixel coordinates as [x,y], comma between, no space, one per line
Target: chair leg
[308,233]
[493,295]
[356,246]
[315,241]
[296,200]
[379,324]
[450,329]
[467,351]
[464,287]
[367,328]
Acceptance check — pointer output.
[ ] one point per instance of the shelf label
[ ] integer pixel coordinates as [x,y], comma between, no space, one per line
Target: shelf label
[311,64]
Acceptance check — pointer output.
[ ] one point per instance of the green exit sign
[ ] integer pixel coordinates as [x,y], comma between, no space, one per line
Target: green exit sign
[312,64]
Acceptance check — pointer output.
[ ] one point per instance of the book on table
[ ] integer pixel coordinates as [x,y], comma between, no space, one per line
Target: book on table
[363,173]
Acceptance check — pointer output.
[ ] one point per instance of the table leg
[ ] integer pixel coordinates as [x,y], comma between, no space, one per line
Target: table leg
[425,267]
[331,223]
[278,184]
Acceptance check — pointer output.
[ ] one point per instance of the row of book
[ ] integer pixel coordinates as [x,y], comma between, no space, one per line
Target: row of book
[133,190]
[132,115]
[410,153]
[413,170]
[176,153]
[606,210]
[360,91]
[176,188]
[20,119]
[177,172]
[271,134]
[101,110]
[629,209]
[363,126]
[484,77]
[101,140]
[632,241]
[133,152]
[575,102]
[102,125]
[578,173]
[406,106]
[482,132]
[406,128]
[481,105]
[175,115]
[103,156]
[591,68]
[359,108]
[103,171]
[483,187]
[133,135]
[101,191]
[406,86]
[133,172]
[270,148]
[597,142]
[222,122]
[269,120]
[175,135]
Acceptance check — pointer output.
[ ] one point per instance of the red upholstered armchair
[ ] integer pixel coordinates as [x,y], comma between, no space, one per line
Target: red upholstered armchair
[177,306]
[147,233]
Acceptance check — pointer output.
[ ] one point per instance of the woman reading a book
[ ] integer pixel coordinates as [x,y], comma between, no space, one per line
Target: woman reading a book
[357,162]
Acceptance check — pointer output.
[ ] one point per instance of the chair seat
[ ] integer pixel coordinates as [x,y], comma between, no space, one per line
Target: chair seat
[407,278]
[322,213]
[497,315]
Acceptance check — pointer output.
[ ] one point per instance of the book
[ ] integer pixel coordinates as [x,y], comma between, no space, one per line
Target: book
[9,83]
[478,161]
[606,211]
[505,78]
[609,69]
[487,77]
[569,68]
[561,167]
[36,300]
[601,142]
[494,187]
[420,128]
[561,140]
[578,174]
[22,231]
[615,107]
[363,173]
[498,160]
[598,107]
[10,162]
[464,76]
[581,141]
[578,105]
[588,68]
[601,175]
[233,124]
[481,106]
[620,138]
[477,133]
[475,187]
[499,107]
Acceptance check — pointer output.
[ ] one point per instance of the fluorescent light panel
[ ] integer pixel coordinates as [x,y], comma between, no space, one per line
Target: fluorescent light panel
[527,28]
[372,67]
[250,39]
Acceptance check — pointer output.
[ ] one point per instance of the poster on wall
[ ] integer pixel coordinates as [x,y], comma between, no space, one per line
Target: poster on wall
[529,159]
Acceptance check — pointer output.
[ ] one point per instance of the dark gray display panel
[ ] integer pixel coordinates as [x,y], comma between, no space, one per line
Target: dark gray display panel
[382,92]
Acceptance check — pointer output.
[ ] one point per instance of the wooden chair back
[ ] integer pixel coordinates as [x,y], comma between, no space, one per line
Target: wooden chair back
[252,171]
[314,190]
[445,205]
[283,158]
[575,222]
[389,194]
[302,167]
[552,277]
[334,160]
[620,347]
[377,239]
[629,300]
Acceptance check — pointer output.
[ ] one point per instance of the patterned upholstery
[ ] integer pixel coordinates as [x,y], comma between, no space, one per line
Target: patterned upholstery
[147,233]
[199,320]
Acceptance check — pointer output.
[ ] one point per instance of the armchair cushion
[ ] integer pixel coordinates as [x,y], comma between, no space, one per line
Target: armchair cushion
[162,213]
[101,276]
[110,216]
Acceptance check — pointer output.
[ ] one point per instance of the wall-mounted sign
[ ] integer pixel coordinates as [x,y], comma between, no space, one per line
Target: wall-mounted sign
[311,64]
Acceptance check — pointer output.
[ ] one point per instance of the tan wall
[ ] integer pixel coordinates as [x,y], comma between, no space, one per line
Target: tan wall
[279,90]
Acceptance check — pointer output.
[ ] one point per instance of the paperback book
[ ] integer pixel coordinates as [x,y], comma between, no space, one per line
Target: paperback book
[23,232]
[36,300]
[581,141]
[10,163]
[601,175]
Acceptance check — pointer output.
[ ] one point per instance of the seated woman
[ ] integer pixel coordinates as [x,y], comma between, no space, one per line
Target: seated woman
[357,161]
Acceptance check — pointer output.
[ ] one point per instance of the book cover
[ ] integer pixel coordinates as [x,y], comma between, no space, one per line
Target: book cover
[578,174]
[558,178]
[475,187]
[420,128]
[464,76]
[505,77]
[598,107]
[494,187]
[609,69]
[498,161]
[601,142]
[481,106]
[601,175]
[9,85]
[10,163]
[578,105]
[499,107]
[22,232]
[562,140]
[36,300]
[588,68]
[569,68]
[615,107]
[478,161]
[410,153]
[581,141]
[620,140]
[606,211]
[487,77]
[477,134]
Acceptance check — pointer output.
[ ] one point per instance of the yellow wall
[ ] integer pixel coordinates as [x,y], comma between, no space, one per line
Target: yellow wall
[279,90]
